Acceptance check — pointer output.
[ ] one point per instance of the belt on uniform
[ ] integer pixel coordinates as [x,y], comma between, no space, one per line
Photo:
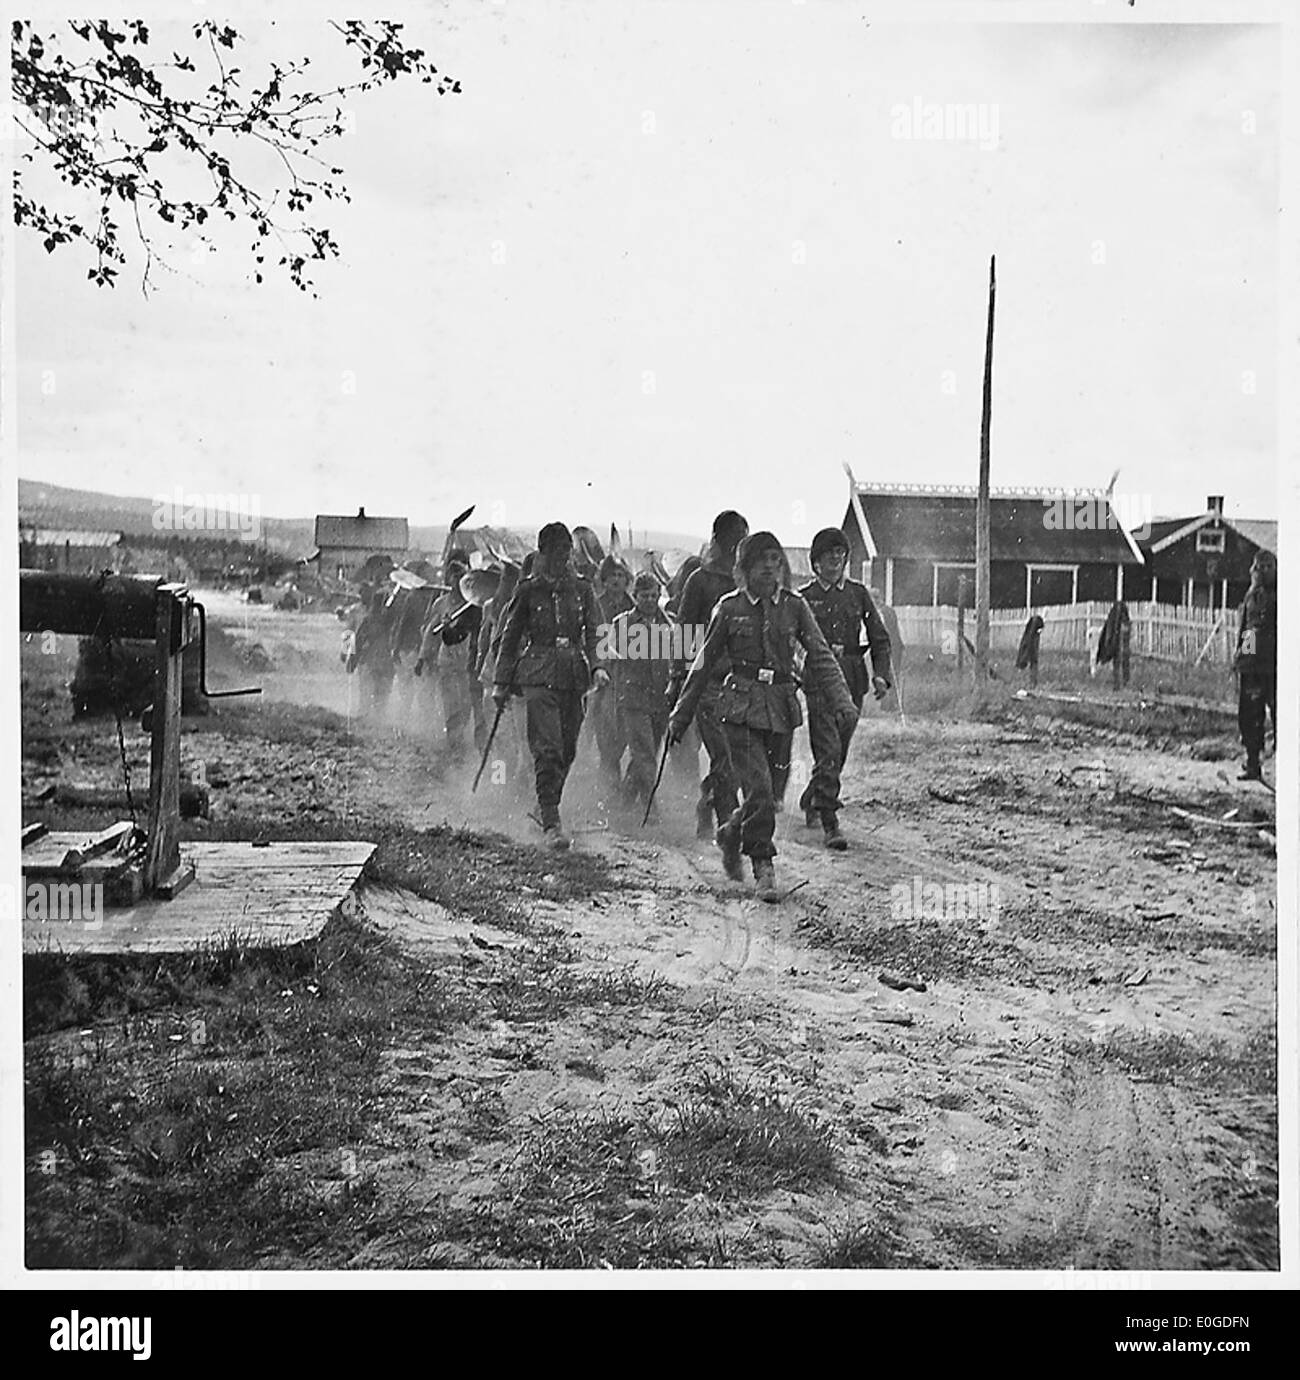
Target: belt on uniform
[548,646]
[840,649]
[765,675]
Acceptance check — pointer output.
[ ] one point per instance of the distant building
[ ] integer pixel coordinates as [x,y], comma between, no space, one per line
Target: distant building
[1203,561]
[345,544]
[915,543]
[76,551]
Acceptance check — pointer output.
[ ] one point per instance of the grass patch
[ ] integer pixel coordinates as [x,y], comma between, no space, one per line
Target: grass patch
[1210,1064]
[487,876]
[215,1115]
[579,1197]
[539,983]
[920,948]
[736,1139]
[858,1245]
[1091,928]
[610,1189]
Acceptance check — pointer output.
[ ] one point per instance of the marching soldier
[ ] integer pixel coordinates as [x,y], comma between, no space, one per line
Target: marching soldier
[612,600]
[371,655]
[449,645]
[750,648]
[700,594]
[842,607]
[1256,661]
[641,658]
[548,649]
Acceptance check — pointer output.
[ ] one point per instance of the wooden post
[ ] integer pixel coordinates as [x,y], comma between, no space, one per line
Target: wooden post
[162,860]
[982,564]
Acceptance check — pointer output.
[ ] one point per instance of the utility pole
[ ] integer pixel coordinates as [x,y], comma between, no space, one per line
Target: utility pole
[982,564]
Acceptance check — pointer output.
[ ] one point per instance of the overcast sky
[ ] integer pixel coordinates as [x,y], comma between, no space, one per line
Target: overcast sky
[661,259]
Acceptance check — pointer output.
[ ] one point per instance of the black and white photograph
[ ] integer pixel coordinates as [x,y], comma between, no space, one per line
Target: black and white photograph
[646,641]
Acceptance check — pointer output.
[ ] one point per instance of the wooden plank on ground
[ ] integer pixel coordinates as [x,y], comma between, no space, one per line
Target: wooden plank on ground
[270,896]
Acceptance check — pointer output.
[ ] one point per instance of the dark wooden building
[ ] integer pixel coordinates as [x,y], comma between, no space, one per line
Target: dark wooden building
[345,544]
[915,543]
[1202,561]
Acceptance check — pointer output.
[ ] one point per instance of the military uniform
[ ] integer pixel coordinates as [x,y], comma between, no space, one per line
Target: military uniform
[371,655]
[450,649]
[749,655]
[700,595]
[1256,666]
[605,722]
[641,661]
[548,649]
[842,610]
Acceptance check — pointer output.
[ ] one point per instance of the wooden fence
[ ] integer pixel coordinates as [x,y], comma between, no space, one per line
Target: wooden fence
[1164,632]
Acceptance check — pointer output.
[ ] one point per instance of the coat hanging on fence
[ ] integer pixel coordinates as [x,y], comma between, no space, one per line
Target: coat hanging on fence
[1108,644]
[1025,653]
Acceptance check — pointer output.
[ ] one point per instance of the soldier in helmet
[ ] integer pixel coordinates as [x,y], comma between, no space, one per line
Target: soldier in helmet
[843,609]
[548,650]
[749,650]
[1256,661]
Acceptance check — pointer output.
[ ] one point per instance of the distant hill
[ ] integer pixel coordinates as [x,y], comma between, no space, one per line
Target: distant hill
[54,506]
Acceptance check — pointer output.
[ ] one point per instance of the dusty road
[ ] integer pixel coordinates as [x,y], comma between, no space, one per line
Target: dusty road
[1079,1074]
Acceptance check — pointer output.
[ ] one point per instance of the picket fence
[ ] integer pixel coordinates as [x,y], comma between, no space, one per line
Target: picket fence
[1164,632]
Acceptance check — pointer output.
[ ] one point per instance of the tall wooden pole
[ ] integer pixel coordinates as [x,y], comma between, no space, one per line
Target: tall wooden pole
[982,566]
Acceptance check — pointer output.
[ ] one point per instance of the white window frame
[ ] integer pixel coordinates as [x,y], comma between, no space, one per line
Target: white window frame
[1029,581]
[1213,550]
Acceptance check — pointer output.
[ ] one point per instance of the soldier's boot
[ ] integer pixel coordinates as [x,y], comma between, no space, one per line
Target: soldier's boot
[810,816]
[835,840]
[704,818]
[728,839]
[552,833]
[1251,771]
[765,880]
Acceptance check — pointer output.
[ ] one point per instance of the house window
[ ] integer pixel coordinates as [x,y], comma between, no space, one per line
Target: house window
[1051,585]
[1210,539]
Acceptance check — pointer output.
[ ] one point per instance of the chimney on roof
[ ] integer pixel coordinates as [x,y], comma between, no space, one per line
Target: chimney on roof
[1214,504]
[361,512]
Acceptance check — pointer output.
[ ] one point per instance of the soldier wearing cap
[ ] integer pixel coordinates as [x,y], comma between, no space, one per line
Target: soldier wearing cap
[843,608]
[548,650]
[1256,661]
[750,646]
[612,600]
[641,649]
[713,578]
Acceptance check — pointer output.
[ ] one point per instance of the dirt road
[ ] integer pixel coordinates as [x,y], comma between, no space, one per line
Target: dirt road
[1079,1072]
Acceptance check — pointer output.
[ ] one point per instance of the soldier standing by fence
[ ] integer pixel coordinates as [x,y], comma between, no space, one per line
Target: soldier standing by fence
[1256,661]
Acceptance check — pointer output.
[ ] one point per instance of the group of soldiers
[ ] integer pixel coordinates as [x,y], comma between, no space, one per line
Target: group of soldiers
[721,655]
